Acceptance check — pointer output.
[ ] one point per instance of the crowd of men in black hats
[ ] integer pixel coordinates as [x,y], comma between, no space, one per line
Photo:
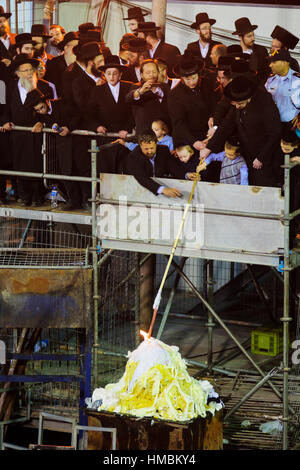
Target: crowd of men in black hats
[235,108]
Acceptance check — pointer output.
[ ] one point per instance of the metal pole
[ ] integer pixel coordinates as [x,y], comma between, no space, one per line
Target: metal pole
[251,392]
[147,271]
[222,324]
[286,300]
[94,150]
[210,323]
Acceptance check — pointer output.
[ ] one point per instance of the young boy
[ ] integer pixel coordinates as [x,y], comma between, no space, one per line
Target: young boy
[161,131]
[234,169]
[188,160]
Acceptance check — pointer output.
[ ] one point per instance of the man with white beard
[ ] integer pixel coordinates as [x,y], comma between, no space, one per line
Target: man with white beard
[26,146]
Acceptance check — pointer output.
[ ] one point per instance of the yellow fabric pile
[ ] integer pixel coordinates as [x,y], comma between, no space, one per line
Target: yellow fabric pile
[156,383]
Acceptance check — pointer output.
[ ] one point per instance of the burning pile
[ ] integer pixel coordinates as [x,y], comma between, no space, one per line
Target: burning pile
[156,384]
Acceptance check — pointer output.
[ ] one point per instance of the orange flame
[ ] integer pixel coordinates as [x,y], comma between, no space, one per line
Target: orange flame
[144,334]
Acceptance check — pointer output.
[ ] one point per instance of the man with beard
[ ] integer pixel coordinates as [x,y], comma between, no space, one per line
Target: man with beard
[148,98]
[26,146]
[134,17]
[137,53]
[58,65]
[24,44]
[204,45]
[258,54]
[57,34]
[283,39]
[157,47]
[7,39]
[40,36]
[255,118]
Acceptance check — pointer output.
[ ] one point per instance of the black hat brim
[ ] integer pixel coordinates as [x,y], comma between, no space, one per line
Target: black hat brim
[242,96]
[15,63]
[241,33]
[121,67]
[6,15]
[211,21]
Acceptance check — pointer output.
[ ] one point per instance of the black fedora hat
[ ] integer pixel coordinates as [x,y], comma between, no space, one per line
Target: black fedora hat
[137,45]
[112,62]
[39,30]
[23,59]
[202,18]
[225,62]
[3,13]
[88,51]
[243,26]
[71,36]
[84,27]
[23,38]
[34,97]
[188,64]
[135,13]
[147,26]
[235,50]
[240,88]
[288,39]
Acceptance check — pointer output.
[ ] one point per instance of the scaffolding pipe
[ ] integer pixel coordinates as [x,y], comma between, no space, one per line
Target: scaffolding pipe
[210,323]
[94,151]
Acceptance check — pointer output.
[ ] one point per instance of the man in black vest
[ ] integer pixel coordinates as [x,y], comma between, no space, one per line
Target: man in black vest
[204,45]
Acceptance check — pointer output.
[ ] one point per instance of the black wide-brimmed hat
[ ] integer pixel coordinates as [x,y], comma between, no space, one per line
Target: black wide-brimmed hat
[243,26]
[225,62]
[23,38]
[71,36]
[147,26]
[112,62]
[288,39]
[188,64]
[137,45]
[135,13]
[235,50]
[279,54]
[34,97]
[39,30]
[87,51]
[3,13]
[240,88]
[23,59]
[202,18]
[84,27]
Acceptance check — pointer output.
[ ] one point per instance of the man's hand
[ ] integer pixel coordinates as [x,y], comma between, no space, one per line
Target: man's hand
[38,127]
[65,131]
[119,141]
[204,153]
[210,122]
[202,166]
[193,176]
[171,192]
[101,130]
[146,87]
[7,62]
[199,144]
[100,82]
[257,164]
[210,133]
[7,126]
[123,134]
[296,159]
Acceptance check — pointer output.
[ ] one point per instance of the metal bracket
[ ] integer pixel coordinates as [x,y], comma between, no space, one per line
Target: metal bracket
[77,428]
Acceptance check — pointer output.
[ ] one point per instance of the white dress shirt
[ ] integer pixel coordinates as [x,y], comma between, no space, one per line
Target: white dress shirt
[115,90]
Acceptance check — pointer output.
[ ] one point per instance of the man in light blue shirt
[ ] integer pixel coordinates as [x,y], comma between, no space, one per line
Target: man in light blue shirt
[284,86]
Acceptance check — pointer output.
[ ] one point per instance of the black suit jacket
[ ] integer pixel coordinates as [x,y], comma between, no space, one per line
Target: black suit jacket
[258,62]
[55,70]
[194,47]
[138,165]
[148,108]
[106,112]
[8,53]
[169,53]
[82,89]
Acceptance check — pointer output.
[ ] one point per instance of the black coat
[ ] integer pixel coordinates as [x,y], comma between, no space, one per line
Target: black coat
[258,62]
[138,165]
[82,88]
[169,53]
[190,111]
[259,129]
[55,70]
[106,112]
[8,53]
[194,47]
[148,108]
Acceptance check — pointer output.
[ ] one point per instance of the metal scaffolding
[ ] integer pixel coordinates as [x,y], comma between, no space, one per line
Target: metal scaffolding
[98,251]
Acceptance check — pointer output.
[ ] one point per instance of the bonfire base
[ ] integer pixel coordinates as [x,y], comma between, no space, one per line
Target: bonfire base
[149,434]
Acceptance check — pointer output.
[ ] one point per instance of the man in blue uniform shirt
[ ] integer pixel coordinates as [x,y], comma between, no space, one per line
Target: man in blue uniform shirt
[284,87]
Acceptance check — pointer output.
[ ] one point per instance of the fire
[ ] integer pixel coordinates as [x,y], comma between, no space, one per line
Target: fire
[144,334]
